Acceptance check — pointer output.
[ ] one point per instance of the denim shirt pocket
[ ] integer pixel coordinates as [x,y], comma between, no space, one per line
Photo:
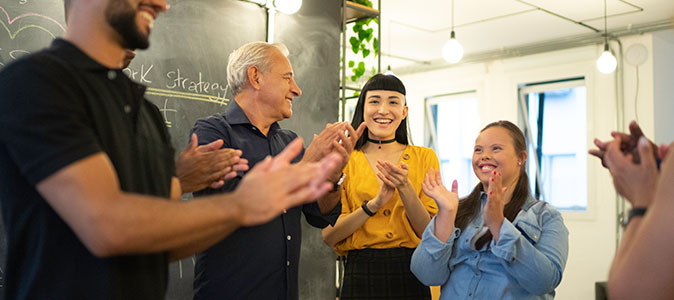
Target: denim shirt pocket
[532,232]
[456,260]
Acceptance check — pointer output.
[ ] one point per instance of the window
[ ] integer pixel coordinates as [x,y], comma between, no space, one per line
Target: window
[453,123]
[349,107]
[556,132]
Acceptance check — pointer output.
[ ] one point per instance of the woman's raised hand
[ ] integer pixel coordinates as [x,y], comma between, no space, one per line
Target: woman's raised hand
[493,209]
[391,175]
[433,187]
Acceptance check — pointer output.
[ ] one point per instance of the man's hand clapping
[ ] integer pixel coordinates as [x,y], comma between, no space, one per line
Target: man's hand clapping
[274,184]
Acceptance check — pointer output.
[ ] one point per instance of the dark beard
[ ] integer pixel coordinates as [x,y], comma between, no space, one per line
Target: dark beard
[122,18]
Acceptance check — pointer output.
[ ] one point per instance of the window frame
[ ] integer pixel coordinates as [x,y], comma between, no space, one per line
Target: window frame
[523,118]
[430,132]
[428,116]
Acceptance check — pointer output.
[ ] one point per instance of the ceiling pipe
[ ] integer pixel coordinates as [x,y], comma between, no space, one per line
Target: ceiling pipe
[539,47]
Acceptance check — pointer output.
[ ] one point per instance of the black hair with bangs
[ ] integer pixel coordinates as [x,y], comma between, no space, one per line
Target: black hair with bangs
[386,83]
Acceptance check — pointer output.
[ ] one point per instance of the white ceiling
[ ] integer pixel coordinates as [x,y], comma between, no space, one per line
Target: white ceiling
[416,30]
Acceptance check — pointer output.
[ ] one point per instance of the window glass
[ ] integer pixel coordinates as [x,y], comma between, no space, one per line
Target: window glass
[557,140]
[452,125]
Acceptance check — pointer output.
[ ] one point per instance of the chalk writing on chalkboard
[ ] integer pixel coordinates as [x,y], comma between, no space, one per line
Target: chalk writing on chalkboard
[165,109]
[10,21]
[188,96]
[26,33]
[178,87]
[180,266]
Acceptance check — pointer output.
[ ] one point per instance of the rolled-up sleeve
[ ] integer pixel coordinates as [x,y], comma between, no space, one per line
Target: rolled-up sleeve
[430,261]
[535,255]
[312,213]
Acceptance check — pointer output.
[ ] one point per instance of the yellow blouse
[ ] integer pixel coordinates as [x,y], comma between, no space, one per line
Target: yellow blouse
[389,227]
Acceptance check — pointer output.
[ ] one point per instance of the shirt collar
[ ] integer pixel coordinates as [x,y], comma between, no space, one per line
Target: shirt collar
[82,61]
[234,114]
[76,56]
[529,203]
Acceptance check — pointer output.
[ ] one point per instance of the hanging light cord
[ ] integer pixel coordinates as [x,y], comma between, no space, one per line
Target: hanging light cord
[636,96]
[605,26]
[453,15]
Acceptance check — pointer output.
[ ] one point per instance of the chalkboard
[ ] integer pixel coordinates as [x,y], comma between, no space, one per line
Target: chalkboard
[313,41]
[185,71]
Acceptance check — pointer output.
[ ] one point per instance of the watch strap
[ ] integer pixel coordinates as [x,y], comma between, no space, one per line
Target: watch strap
[635,212]
[367,210]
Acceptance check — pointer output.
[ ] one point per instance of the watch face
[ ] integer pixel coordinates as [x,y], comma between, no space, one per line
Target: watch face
[635,212]
[624,220]
[341,179]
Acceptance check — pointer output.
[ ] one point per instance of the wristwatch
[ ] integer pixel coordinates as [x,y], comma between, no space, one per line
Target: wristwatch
[336,185]
[367,210]
[633,213]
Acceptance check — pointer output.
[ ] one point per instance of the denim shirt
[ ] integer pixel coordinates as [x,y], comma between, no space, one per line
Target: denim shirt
[526,263]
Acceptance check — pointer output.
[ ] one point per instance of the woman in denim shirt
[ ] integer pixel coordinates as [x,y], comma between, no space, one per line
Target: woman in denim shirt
[499,242]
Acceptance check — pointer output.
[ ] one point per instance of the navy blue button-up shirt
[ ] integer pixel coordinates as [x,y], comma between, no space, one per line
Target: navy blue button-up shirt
[259,262]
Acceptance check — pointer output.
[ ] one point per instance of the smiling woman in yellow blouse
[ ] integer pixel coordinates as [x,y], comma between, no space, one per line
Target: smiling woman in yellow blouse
[384,211]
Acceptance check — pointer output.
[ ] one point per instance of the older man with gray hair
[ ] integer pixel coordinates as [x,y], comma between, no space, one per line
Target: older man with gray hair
[261,262]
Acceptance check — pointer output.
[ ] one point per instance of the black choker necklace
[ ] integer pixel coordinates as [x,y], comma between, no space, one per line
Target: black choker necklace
[381,142]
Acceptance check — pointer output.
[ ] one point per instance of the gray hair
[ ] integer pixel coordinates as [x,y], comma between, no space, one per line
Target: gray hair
[251,54]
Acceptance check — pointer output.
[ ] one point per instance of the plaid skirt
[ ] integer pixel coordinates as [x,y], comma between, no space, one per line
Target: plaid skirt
[381,274]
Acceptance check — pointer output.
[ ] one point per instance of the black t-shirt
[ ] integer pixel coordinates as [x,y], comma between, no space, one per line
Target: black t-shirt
[59,106]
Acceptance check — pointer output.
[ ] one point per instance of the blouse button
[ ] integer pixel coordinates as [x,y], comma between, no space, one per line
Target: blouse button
[387,212]
[406,156]
[112,75]
[389,235]
[127,108]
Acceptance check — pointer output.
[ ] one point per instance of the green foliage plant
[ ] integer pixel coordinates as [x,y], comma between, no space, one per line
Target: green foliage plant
[363,42]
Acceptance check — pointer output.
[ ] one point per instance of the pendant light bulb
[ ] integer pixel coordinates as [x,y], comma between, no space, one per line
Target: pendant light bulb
[606,63]
[452,52]
[288,7]
[389,72]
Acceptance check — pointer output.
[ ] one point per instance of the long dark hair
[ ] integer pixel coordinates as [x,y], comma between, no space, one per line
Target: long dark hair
[379,82]
[470,206]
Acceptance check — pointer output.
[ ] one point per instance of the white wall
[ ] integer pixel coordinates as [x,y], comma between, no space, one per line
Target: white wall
[593,234]
[663,75]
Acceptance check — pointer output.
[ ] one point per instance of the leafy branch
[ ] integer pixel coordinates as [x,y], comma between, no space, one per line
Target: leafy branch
[364,42]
